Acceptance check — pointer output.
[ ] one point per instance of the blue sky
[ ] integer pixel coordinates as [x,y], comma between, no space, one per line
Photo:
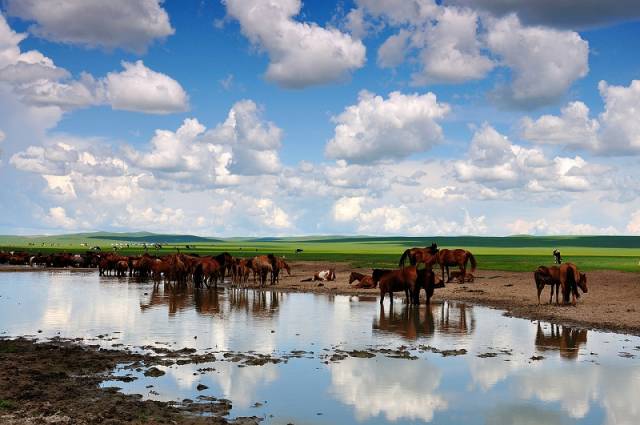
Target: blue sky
[281,117]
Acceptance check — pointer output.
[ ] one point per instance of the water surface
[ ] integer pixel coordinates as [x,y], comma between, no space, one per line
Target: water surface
[584,377]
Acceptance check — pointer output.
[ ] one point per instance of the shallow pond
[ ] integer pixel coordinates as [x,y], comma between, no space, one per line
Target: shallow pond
[579,376]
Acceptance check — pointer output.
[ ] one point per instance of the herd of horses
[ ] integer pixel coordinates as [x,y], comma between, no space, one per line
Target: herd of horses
[414,273]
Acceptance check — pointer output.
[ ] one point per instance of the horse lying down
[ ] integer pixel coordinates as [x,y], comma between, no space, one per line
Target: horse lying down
[323,276]
[457,274]
[364,281]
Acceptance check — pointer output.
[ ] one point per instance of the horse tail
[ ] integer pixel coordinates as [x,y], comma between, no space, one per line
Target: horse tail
[404,257]
[473,262]
[574,281]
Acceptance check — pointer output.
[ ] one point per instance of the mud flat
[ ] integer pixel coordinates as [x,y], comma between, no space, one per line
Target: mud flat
[57,382]
[612,303]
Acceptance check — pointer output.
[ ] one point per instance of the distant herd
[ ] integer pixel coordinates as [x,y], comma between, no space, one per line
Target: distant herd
[415,270]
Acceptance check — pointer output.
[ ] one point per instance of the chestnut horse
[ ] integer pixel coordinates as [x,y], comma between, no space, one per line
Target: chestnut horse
[363,280]
[455,257]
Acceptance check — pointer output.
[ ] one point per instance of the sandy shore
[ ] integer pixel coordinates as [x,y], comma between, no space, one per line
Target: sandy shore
[611,303]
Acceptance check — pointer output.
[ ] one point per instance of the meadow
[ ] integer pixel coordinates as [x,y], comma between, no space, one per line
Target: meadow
[512,253]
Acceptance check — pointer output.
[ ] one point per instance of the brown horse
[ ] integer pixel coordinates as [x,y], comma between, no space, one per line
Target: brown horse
[424,255]
[262,265]
[565,277]
[455,257]
[544,276]
[364,281]
[279,265]
[396,280]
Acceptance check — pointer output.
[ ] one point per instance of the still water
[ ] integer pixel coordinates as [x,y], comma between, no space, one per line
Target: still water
[584,377]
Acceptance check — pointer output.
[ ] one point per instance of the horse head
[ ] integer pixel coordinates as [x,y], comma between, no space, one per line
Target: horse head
[582,283]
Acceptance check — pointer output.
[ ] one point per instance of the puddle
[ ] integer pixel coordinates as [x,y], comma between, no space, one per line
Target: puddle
[447,363]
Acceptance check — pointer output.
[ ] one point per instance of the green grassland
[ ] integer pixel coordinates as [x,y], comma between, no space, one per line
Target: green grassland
[513,253]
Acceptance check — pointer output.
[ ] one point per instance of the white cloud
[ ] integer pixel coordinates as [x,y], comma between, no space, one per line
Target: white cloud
[377,129]
[621,118]
[272,215]
[633,226]
[497,163]
[616,131]
[38,82]
[347,208]
[544,62]
[557,225]
[141,89]
[573,128]
[129,24]
[57,218]
[301,54]
[451,50]
[392,52]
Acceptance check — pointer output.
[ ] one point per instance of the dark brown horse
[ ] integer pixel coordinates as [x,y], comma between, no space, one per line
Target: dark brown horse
[364,281]
[419,255]
[455,257]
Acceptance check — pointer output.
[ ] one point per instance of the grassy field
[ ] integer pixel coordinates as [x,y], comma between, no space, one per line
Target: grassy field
[514,253]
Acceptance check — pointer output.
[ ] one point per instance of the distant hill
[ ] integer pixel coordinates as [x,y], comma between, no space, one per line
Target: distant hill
[139,237]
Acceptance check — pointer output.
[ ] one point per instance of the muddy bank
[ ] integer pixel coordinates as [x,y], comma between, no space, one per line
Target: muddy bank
[58,382]
[610,305]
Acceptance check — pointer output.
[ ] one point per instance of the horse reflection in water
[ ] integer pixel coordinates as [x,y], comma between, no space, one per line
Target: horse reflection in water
[214,302]
[564,339]
[411,323]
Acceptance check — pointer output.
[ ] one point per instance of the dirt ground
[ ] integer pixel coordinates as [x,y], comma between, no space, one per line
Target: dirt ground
[611,303]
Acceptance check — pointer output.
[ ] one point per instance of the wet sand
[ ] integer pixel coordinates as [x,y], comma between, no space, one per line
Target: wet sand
[612,303]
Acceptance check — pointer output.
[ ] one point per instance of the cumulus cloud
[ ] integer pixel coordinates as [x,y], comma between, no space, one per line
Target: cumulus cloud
[544,62]
[616,131]
[621,118]
[573,128]
[451,49]
[38,82]
[564,14]
[378,129]
[301,54]
[129,24]
[347,208]
[497,163]
[392,52]
[141,89]
[58,218]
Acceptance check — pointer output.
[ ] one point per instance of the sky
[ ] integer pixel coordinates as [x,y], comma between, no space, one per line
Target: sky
[284,117]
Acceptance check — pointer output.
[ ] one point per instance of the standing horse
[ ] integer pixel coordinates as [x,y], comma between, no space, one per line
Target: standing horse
[405,279]
[455,257]
[262,266]
[419,255]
